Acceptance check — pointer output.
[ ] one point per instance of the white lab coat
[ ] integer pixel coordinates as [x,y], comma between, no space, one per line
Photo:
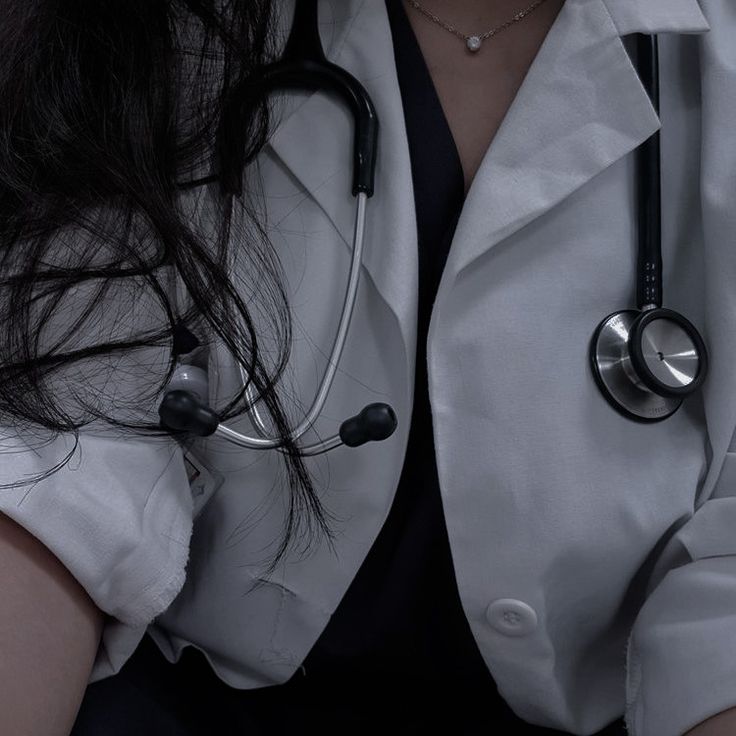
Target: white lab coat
[595,557]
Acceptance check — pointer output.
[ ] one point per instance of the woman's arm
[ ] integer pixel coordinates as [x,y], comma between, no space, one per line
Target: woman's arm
[49,634]
[723,724]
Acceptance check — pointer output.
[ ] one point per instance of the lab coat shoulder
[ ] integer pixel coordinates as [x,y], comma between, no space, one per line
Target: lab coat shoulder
[682,647]
[115,511]
[113,506]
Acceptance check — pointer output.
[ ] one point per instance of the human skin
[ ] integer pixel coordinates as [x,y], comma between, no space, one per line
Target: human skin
[477,89]
[49,635]
[722,724]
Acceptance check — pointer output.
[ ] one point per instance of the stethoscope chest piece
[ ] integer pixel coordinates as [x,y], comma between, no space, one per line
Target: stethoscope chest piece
[646,362]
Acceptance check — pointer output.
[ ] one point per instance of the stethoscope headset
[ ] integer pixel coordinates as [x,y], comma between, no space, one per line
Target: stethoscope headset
[645,361]
[303,66]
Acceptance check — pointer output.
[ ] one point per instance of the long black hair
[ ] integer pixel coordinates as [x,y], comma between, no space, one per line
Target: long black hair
[112,114]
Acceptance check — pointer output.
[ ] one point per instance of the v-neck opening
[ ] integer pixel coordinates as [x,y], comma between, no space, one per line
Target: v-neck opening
[418,87]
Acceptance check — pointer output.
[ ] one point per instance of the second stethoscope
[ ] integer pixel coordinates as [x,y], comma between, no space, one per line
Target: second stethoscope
[644,361]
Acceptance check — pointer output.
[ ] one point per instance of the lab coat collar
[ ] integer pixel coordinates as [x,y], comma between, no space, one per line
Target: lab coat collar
[656,16]
[581,108]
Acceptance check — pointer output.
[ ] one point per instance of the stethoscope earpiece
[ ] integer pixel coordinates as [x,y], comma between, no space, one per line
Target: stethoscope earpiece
[184,412]
[303,66]
[375,423]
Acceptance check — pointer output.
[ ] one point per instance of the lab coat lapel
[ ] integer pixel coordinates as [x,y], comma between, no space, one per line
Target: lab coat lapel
[580,108]
[315,143]
[717,188]
[657,16]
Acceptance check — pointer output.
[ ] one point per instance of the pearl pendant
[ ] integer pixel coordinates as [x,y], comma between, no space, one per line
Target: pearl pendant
[473,43]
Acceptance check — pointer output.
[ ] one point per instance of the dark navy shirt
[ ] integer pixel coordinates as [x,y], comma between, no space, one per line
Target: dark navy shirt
[401,621]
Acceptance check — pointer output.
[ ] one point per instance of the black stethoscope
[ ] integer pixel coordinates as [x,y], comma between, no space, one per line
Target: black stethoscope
[644,361]
[303,66]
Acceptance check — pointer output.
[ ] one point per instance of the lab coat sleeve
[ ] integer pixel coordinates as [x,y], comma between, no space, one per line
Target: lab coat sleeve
[681,654]
[117,515]
[112,504]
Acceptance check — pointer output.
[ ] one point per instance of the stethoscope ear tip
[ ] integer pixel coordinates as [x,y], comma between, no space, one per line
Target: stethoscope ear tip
[183,412]
[375,422]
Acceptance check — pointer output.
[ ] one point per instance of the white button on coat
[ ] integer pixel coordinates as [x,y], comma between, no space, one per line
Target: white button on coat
[511,617]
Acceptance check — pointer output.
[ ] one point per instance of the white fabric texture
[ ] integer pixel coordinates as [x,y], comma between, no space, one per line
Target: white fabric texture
[682,650]
[112,504]
[117,514]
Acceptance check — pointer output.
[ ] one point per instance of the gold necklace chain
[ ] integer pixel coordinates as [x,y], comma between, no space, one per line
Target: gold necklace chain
[474,42]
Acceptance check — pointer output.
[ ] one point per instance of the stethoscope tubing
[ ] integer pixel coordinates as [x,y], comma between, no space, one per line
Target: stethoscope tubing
[264,442]
[303,66]
[649,185]
[646,361]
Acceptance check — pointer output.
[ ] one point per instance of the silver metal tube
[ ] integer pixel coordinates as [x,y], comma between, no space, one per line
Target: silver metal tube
[351,293]
[264,442]
[242,440]
[252,443]
[255,416]
[319,448]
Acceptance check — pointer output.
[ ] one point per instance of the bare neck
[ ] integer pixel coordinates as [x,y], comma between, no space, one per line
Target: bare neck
[477,89]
